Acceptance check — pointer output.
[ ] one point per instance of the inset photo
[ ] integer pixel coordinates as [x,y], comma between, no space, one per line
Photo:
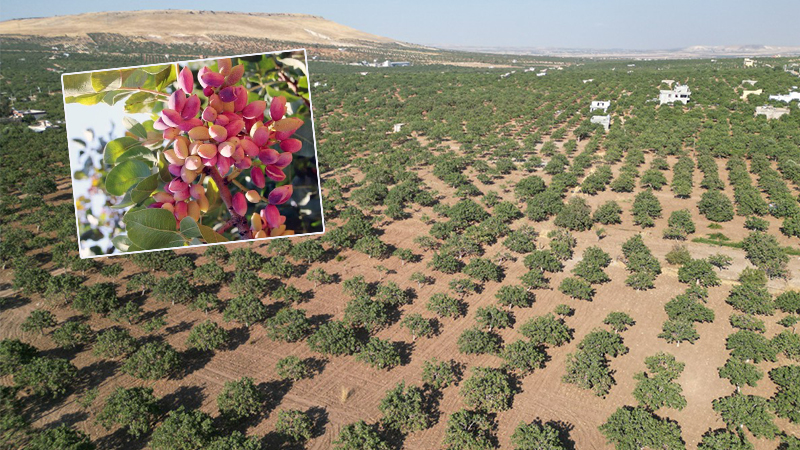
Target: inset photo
[192,153]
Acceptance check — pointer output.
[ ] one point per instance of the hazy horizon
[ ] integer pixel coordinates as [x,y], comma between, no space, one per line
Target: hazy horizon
[580,24]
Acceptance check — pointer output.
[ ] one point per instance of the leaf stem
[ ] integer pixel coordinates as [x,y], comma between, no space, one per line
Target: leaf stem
[149,91]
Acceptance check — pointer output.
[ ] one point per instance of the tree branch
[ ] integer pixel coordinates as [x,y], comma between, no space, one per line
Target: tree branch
[241,222]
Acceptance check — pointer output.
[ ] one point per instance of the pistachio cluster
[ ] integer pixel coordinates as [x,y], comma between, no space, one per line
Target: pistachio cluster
[221,139]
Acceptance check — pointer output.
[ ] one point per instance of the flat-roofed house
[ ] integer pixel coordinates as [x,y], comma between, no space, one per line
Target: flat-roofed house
[680,93]
[605,121]
[747,93]
[599,104]
[786,97]
[771,112]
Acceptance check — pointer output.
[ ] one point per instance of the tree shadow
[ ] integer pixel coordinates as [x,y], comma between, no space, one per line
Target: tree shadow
[62,196]
[192,360]
[72,418]
[459,369]
[275,390]
[405,350]
[327,256]
[150,315]
[274,307]
[278,441]
[307,296]
[120,439]
[315,365]
[210,288]
[132,297]
[183,326]
[393,315]
[42,258]
[13,302]
[515,383]
[96,373]
[317,320]
[299,270]
[564,430]
[394,437]
[319,419]
[432,399]
[34,407]
[436,326]
[237,337]
[190,397]
[462,308]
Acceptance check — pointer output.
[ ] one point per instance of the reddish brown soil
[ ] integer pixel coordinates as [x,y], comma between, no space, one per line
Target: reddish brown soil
[542,394]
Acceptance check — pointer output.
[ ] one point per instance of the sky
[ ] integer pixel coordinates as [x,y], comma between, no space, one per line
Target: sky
[598,24]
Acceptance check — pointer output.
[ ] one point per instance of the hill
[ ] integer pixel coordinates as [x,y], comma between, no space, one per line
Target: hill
[204,25]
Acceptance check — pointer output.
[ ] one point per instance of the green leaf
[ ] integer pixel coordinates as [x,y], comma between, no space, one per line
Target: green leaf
[125,175]
[302,82]
[266,64]
[123,244]
[125,202]
[295,63]
[138,102]
[272,92]
[86,99]
[152,70]
[117,147]
[77,84]
[212,193]
[211,236]
[136,79]
[134,127]
[108,98]
[189,228]
[139,153]
[160,80]
[106,80]
[152,228]
[144,188]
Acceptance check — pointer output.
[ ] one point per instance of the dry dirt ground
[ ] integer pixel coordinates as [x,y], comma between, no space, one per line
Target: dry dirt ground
[345,390]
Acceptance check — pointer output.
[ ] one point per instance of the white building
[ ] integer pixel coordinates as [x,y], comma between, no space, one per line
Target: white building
[599,104]
[397,127]
[786,97]
[41,126]
[388,63]
[605,121]
[750,82]
[747,93]
[749,62]
[680,93]
[588,80]
[36,113]
[770,112]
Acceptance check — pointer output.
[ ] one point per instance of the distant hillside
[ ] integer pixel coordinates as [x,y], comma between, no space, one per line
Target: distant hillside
[188,27]
[697,51]
[156,36]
